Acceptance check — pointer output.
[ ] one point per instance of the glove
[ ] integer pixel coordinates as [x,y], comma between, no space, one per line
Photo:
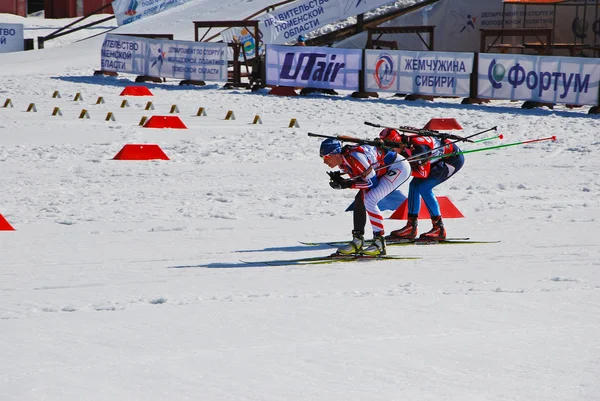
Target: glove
[336,176]
[344,184]
[378,142]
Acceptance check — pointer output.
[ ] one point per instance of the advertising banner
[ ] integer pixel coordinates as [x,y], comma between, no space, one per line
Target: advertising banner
[165,58]
[286,23]
[569,80]
[424,73]
[11,38]
[128,11]
[187,59]
[314,67]
[124,54]
[458,23]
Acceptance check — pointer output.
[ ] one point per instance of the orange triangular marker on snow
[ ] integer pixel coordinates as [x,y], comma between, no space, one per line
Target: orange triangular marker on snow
[5,225]
[443,124]
[165,122]
[136,91]
[141,152]
[449,211]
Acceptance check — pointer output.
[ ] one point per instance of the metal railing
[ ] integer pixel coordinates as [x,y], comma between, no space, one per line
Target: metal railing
[59,32]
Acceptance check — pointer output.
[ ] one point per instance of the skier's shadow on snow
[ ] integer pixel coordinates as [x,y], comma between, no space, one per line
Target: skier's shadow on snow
[295,248]
[215,266]
[252,264]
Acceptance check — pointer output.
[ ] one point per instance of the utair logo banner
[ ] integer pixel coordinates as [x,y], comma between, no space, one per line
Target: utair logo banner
[385,71]
[315,67]
[311,67]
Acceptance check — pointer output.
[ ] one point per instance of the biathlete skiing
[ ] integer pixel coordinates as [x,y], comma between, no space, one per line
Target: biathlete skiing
[430,168]
[375,172]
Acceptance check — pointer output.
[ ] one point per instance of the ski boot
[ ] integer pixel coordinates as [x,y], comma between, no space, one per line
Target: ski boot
[409,231]
[355,246]
[377,248]
[437,233]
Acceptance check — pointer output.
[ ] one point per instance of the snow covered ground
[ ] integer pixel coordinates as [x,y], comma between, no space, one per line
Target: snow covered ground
[122,280]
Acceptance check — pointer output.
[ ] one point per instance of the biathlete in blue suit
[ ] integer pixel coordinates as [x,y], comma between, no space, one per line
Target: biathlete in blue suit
[428,171]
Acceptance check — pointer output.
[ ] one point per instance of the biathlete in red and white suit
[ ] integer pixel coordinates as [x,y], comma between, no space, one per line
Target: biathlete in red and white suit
[428,172]
[375,172]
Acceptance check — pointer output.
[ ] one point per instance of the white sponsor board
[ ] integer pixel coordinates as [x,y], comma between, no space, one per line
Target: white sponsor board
[425,73]
[11,38]
[124,54]
[314,67]
[188,59]
[165,58]
[128,11]
[286,23]
[569,80]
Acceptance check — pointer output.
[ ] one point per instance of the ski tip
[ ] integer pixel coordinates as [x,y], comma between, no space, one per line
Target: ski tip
[256,263]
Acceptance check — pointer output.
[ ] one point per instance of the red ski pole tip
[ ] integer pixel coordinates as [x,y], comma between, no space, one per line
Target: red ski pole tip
[553,137]
[500,136]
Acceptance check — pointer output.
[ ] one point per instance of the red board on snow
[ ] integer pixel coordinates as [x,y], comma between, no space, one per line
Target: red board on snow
[449,211]
[283,91]
[141,152]
[5,225]
[136,91]
[443,124]
[165,122]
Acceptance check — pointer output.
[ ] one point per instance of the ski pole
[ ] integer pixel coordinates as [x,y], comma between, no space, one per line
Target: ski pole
[462,152]
[499,136]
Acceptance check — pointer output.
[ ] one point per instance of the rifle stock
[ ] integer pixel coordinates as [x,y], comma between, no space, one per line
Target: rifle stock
[422,132]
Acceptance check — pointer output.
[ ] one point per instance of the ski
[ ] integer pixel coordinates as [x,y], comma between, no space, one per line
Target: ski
[333,258]
[447,241]
[443,242]
[399,242]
